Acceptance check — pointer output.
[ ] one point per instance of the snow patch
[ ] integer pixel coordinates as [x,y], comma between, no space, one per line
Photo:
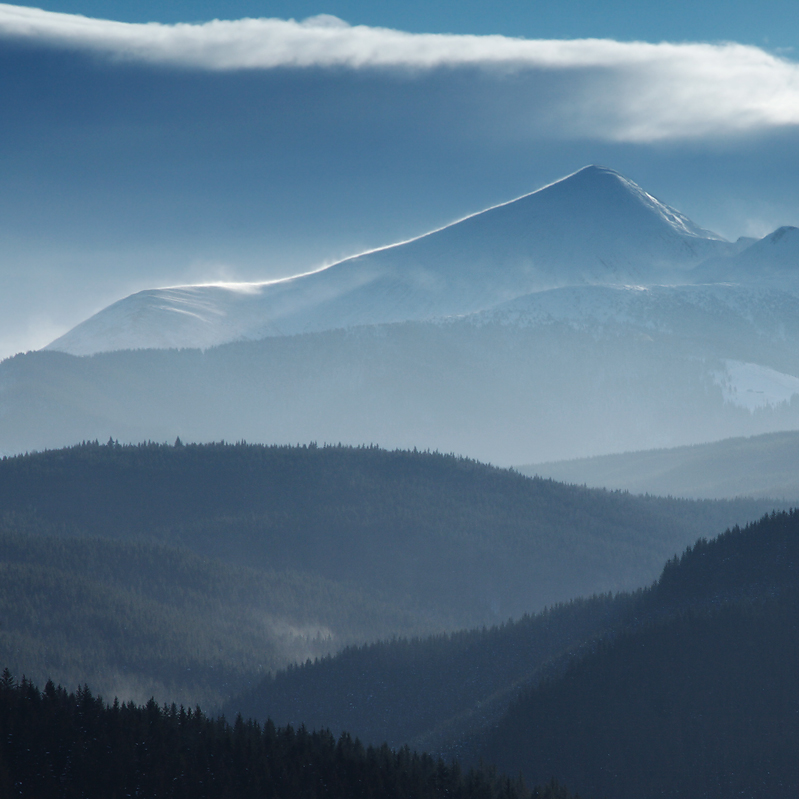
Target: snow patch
[752,386]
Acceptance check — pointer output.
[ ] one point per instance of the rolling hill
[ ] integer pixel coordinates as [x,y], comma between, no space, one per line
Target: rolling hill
[469,543]
[188,571]
[764,466]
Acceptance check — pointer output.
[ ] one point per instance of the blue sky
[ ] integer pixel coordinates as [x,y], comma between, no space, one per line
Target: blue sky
[133,156]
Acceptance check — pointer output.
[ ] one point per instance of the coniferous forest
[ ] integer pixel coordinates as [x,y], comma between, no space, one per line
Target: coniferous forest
[686,688]
[60,745]
[698,696]
[190,572]
[345,609]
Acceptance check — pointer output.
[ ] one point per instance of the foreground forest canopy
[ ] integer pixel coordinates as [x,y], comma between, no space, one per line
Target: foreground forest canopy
[60,745]
[189,572]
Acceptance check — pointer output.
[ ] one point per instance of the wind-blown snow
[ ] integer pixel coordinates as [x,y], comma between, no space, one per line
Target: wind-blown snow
[752,386]
[594,227]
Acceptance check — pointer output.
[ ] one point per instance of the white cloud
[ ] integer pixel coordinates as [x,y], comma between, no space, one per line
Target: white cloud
[619,91]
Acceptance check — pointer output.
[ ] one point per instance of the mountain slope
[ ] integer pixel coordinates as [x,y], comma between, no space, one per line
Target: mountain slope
[766,466]
[656,693]
[628,370]
[429,692]
[594,226]
[716,315]
[701,706]
[702,703]
[136,620]
[771,261]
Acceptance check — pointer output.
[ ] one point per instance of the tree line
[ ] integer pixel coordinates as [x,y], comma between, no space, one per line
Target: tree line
[60,745]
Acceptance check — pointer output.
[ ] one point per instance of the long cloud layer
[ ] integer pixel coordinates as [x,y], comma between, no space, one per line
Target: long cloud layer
[621,91]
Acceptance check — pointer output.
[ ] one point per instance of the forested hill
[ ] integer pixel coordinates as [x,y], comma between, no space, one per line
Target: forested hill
[698,702]
[141,619]
[469,543]
[443,693]
[658,692]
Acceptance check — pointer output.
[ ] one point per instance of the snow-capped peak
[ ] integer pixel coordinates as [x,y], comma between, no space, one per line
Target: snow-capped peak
[594,227]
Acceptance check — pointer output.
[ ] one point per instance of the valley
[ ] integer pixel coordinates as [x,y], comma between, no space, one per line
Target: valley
[187,572]
[373,597]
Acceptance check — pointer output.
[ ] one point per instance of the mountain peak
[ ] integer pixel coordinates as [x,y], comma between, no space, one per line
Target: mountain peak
[595,171]
[593,178]
[770,261]
[782,244]
[608,188]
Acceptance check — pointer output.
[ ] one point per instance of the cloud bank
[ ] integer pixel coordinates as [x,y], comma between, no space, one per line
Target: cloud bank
[619,91]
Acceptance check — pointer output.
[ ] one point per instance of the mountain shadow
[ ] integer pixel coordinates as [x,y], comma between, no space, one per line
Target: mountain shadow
[699,697]
[684,688]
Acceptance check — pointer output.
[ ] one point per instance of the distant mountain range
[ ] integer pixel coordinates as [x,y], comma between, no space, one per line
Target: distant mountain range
[583,319]
[760,466]
[593,227]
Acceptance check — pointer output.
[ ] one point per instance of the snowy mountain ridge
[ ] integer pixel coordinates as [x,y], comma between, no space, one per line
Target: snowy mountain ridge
[594,227]
[678,309]
[770,261]
[582,319]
